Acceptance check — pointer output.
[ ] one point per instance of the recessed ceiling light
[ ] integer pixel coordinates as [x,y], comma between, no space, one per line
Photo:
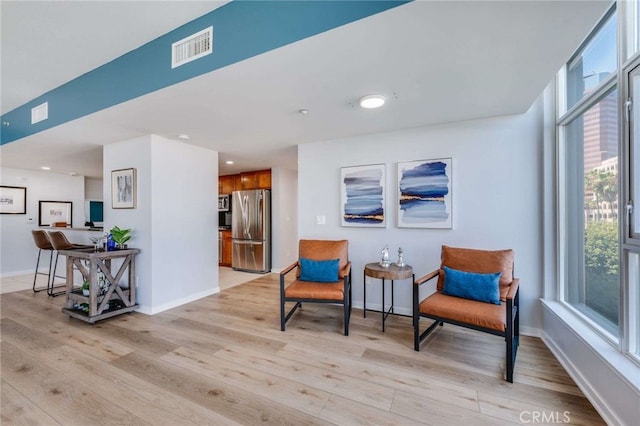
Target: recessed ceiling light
[183,136]
[229,162]
[45,168]
[303,111]
[372,101]
[73,174]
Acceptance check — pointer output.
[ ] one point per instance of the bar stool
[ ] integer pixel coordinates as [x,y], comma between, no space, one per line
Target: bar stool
[59,242]
[43,243]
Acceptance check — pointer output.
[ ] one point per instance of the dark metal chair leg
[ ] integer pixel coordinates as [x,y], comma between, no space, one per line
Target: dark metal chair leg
[50,283]
[513,334]
[35,275]
[346,302]
[282,319]
[416,318]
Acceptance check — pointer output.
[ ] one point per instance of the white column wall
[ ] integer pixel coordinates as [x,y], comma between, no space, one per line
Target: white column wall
[175,220]
[497,199]
[284,218]
[184,221]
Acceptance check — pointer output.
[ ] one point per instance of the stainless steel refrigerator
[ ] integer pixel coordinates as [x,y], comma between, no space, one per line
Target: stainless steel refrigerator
[251,230]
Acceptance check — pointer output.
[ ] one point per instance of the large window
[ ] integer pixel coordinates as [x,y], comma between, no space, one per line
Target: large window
[599,165]
[631,211]
[592,278]
[591,273]
[634,153]
[594,63]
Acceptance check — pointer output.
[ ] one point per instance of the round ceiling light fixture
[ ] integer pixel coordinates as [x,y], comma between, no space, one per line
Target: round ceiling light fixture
[229,162]
[45,168]
[372,101]
[183,137]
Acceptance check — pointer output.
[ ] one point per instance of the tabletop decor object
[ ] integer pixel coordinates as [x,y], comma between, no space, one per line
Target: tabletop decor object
[400,261]
[120,236]
[384,262]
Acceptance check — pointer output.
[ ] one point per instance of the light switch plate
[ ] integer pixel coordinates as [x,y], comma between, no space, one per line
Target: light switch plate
[321,220]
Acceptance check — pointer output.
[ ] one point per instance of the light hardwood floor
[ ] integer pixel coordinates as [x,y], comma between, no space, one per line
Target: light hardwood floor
[223,360]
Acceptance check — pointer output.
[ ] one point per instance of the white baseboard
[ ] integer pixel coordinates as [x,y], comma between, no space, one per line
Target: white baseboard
[18,273]
[530,331]
[149,310]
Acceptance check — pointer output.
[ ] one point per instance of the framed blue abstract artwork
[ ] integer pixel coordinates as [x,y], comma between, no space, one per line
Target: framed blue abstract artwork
[424,194]
[363,195]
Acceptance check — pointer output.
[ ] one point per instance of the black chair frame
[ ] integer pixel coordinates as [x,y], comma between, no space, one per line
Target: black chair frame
[284,317]
[48,274]
[511,333]
[68,246]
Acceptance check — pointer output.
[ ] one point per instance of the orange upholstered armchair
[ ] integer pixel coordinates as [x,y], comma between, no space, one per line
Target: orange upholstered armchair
[323,275]
[476,289]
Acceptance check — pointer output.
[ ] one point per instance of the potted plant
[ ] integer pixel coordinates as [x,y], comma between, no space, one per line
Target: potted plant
[85,288]
[120,236]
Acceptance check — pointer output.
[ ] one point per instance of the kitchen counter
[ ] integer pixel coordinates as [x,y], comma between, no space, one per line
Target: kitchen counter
[76,235]
[86,228]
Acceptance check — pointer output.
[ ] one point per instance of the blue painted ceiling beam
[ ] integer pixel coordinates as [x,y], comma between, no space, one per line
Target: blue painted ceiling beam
[241,29]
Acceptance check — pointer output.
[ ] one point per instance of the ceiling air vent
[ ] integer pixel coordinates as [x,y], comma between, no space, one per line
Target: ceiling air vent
[191,48]
[39,113]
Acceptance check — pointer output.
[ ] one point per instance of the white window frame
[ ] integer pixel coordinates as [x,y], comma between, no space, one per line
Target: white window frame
[628,340]
[566,116]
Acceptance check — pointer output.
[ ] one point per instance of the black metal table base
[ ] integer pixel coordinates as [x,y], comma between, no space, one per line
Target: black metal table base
[385,312]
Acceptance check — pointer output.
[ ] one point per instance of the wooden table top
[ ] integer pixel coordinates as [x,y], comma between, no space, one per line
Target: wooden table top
[100,254]
[391,272]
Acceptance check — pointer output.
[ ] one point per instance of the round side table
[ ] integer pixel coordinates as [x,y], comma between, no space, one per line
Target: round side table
[391,272]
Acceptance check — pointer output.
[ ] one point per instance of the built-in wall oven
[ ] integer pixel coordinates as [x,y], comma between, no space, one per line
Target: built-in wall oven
[224,203]
[224,220]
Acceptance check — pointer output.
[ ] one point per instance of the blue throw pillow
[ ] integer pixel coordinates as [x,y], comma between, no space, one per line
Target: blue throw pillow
[469,285]
[323,271]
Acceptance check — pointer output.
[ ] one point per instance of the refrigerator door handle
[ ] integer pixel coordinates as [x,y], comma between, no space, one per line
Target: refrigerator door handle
[260,215]
[247,242]
[245,217]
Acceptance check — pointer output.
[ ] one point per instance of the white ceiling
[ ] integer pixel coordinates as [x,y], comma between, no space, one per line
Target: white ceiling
[437,62]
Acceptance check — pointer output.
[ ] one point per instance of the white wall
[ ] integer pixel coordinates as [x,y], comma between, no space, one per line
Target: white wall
[496,199]
[93,188]
[175,221]
[18,252]
[184,218]
[284,218]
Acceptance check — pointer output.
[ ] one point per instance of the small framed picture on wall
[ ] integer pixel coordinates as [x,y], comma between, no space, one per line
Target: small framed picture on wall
[13,199]
[363,195]
[55,213]
[424,194]
[123,189]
